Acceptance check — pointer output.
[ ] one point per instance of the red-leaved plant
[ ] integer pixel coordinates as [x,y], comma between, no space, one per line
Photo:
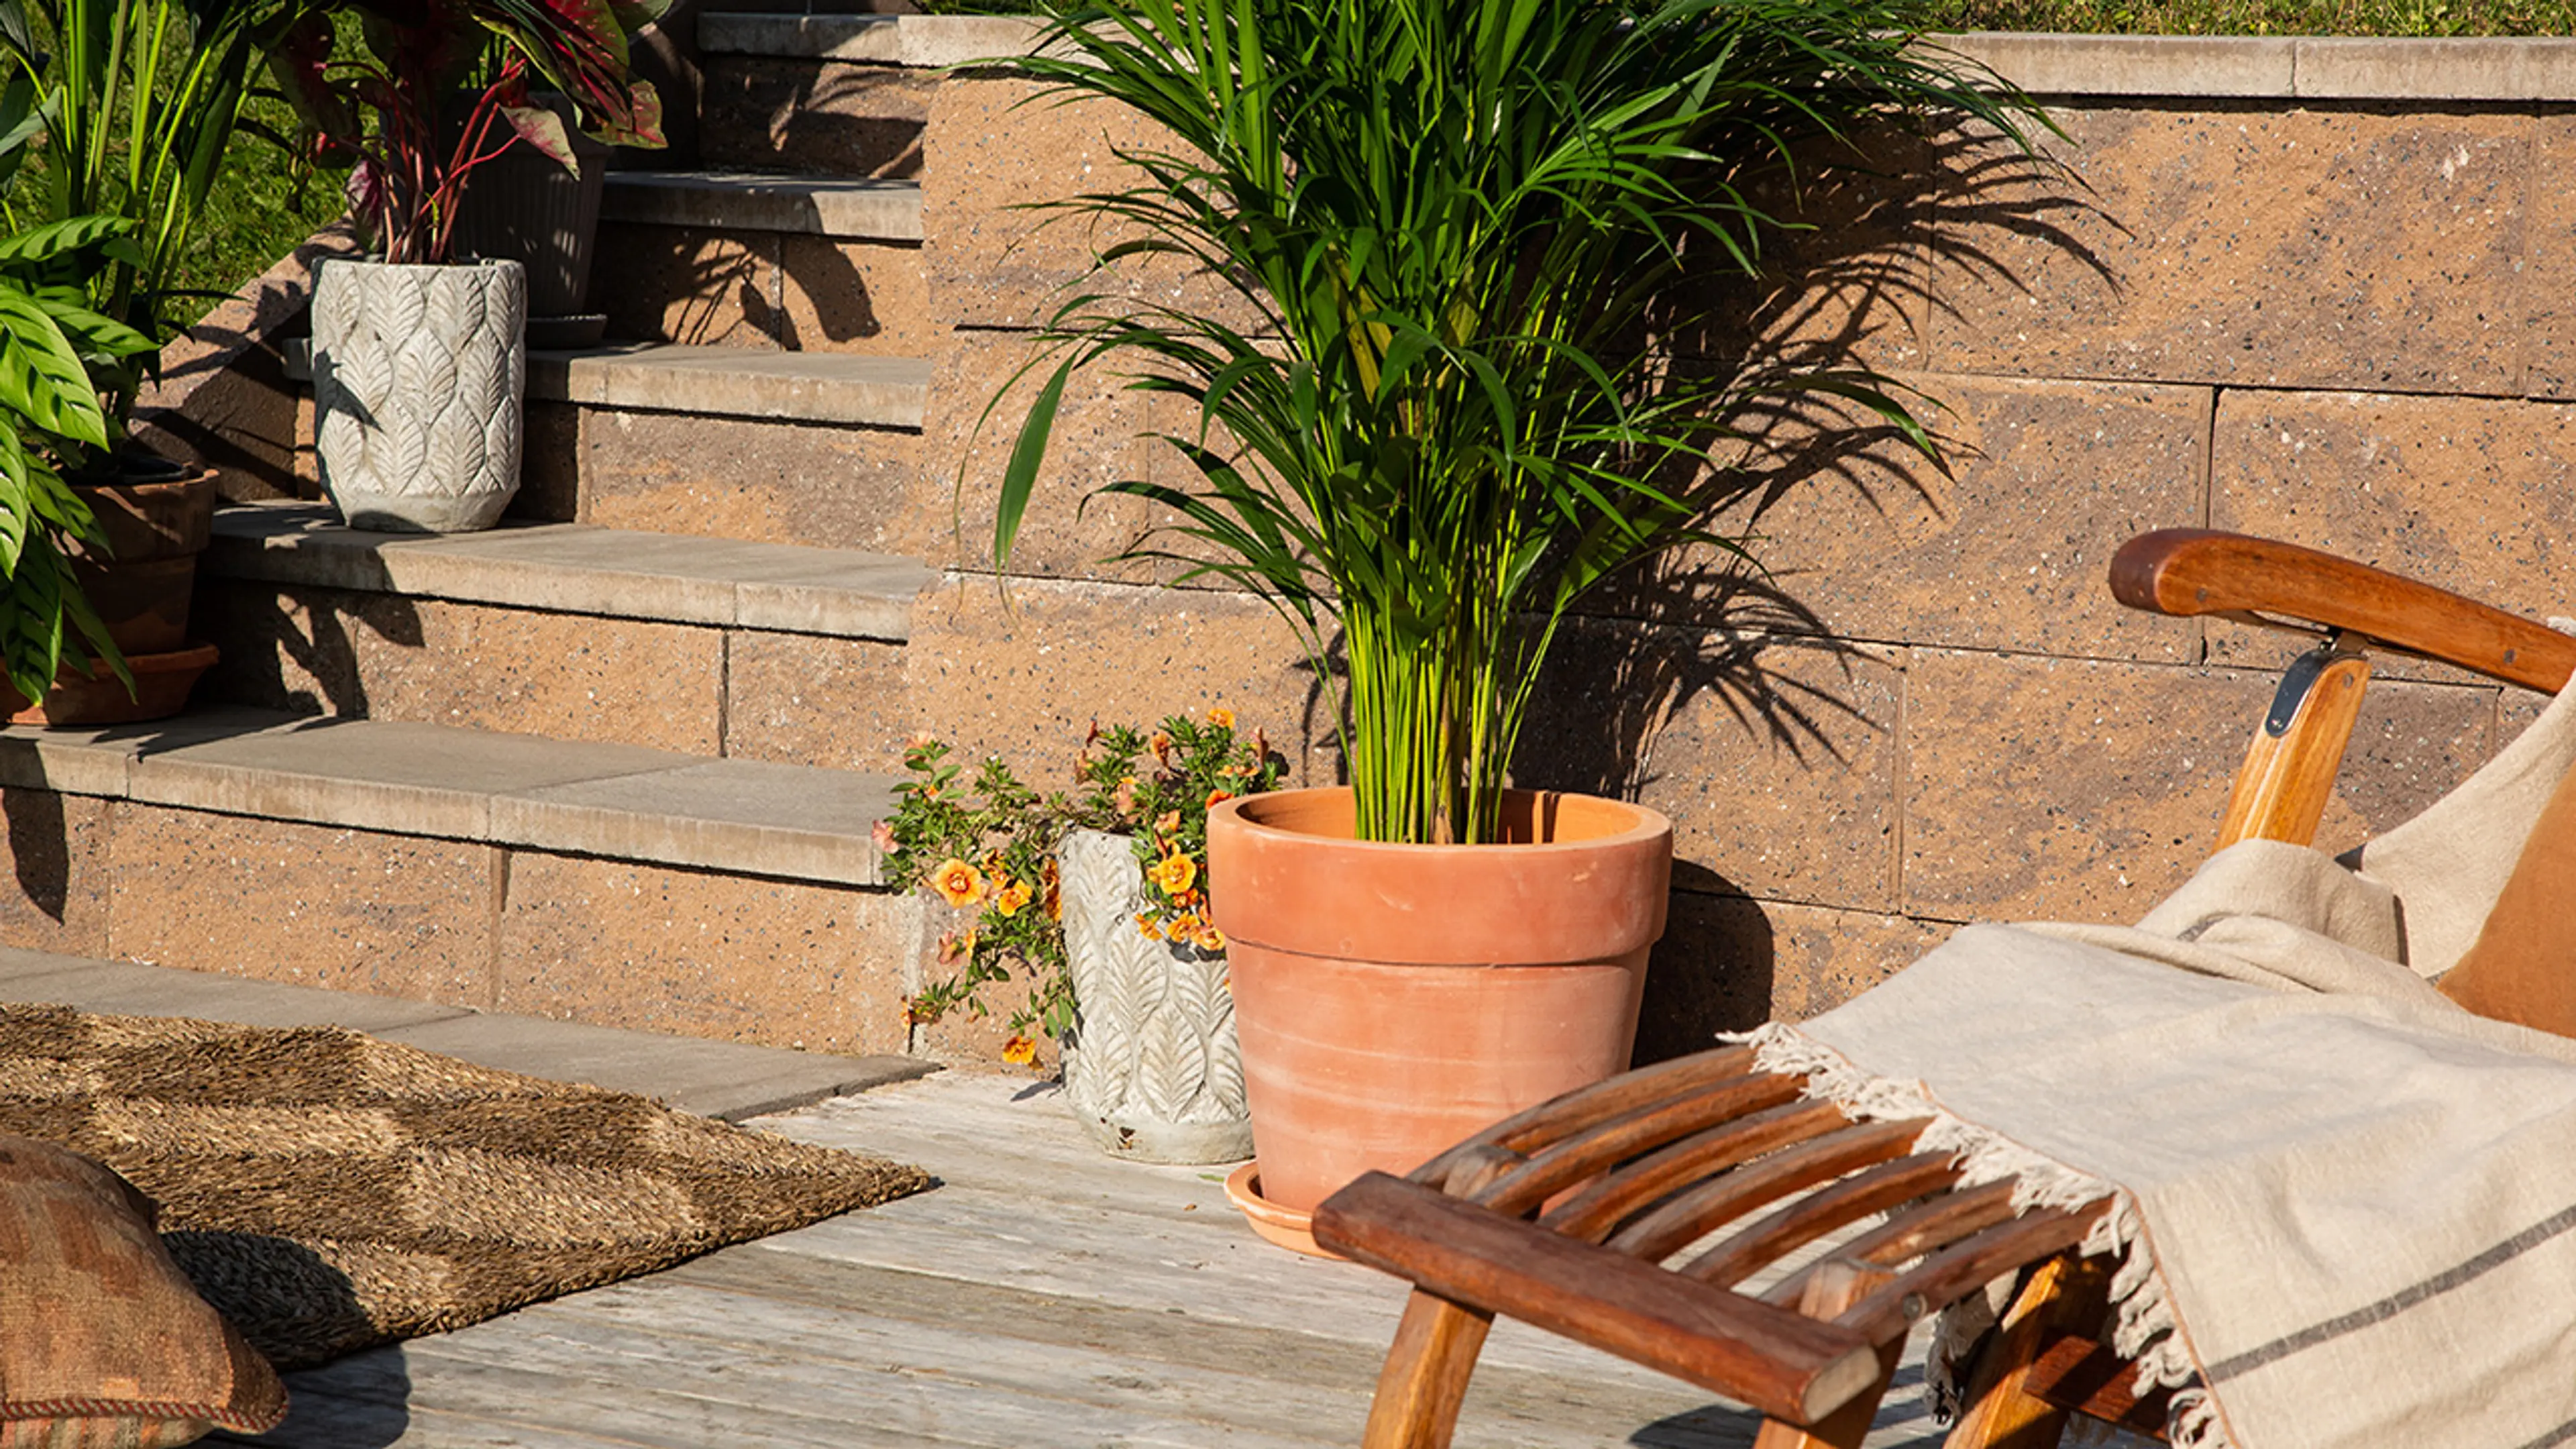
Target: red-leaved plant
[406,177]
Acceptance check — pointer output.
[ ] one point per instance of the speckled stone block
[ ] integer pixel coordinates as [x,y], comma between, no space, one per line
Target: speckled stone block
[849,296]
[2475,495]
[763,113]
[305,904]
[549,465]
[804,700]
[1728,963]
[2378,248]
[387,656]
[677,284]
[2007,550]
[734,958]
[2043,789]
[948,518]
[1026,676]
[2549,279]
[988,150]
[769,482]
[1776,760]
[56,850]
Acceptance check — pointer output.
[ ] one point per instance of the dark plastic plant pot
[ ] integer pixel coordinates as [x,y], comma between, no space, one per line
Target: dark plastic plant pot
[524,207]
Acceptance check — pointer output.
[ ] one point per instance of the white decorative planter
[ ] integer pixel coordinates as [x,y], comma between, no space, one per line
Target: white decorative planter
[417,376]
[1151,1067]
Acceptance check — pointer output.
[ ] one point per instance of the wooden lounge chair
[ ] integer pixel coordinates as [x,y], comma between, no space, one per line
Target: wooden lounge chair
[1566,1215]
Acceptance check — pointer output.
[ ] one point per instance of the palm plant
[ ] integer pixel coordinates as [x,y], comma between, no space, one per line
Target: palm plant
[1457,225]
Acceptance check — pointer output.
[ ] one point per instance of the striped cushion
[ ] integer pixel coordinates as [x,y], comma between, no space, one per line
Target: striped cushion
[103,1344]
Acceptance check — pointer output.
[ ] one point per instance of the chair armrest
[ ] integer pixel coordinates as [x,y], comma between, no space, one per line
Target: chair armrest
[1778,1361]
[2192,571]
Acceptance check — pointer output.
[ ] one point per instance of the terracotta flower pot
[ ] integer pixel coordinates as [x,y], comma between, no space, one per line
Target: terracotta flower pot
[1392,999]
[154,529]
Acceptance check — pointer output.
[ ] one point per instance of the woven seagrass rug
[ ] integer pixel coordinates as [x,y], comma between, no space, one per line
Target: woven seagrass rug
[328,1191]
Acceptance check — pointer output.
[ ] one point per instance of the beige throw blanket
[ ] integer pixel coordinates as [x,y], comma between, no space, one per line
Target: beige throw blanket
[2346,1208]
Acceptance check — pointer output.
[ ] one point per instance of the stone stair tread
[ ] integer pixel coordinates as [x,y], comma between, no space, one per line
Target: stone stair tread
[580,568]
[622,802]
[732,1080]
[742,382]
[934,42]
[863,208]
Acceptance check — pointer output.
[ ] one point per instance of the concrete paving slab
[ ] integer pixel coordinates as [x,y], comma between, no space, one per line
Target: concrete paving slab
[390,775]
[2515,68]
[2133,65]
[737,815]
[99,760]
[856,208]
[712,1078]
[932,42]
[582,569]
[810,387]
[135,988]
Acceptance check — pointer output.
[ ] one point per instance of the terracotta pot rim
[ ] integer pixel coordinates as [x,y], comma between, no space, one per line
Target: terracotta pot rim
[202,478]
[171,661]
[1650,824]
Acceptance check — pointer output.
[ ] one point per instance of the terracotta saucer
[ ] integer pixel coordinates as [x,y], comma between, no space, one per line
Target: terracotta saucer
[1287,1227]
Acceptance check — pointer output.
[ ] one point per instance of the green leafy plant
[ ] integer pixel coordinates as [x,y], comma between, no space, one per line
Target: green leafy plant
[50,341]
[410,171]
[989,846]
[125,108]
[1453,229]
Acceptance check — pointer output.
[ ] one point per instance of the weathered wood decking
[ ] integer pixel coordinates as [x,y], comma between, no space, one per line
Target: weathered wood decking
[1043,1297]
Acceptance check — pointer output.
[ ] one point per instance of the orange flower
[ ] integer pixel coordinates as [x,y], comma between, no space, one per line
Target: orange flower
[958,883]
[1211,939]
[956,947]
[1218,797]
[881,835]
[1221,717]
[1176,874]
[1054,902]
[1019,1050]
[1146,928]
[1160,744]
[1167,822]
[1010,898]
[1184,927]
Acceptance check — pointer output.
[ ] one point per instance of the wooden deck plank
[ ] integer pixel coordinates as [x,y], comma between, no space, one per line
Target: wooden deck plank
[1044,1296]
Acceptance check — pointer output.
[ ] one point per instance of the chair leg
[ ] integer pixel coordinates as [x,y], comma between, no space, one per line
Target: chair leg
[2066,1295]
[1833,1287]
[1425,1378]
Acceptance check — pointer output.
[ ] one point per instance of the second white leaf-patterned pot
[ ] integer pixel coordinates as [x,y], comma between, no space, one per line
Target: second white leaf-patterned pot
[1151,1067]
[417,377]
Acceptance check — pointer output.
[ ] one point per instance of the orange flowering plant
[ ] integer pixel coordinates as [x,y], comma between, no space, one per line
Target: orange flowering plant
[988,847]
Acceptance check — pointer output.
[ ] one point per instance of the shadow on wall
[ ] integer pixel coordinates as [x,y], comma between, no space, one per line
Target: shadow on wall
[1704,624]
[303,654]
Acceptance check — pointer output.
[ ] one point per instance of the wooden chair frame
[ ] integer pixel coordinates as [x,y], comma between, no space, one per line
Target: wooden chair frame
[1566,1215]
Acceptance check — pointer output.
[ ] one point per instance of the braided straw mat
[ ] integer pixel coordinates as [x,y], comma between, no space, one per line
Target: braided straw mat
[328,1191]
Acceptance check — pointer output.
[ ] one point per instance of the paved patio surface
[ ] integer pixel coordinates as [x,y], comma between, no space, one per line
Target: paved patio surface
[1041,1296]
[712,1078]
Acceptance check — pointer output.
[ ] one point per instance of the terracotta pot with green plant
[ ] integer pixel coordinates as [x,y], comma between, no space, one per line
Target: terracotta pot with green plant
[1455,227]
[1092,910]
[419,355]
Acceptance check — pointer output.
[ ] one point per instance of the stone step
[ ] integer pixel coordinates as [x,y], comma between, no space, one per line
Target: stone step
[858,208]
[729,1080]
[769,260]
[924,42]
[702,645]
[737,382]
[579,569]
[625,887]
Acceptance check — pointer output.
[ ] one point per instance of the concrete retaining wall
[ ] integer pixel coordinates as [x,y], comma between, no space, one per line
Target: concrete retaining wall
[2313,289]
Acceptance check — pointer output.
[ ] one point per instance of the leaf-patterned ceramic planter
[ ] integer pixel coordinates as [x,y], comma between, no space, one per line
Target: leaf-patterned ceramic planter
[1151,1067]
[417,378]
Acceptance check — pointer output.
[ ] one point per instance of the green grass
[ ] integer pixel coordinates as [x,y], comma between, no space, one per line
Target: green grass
[2434,18]
[262,207]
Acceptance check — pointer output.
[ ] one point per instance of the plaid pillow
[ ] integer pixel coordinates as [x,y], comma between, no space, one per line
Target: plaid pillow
[103,1345]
